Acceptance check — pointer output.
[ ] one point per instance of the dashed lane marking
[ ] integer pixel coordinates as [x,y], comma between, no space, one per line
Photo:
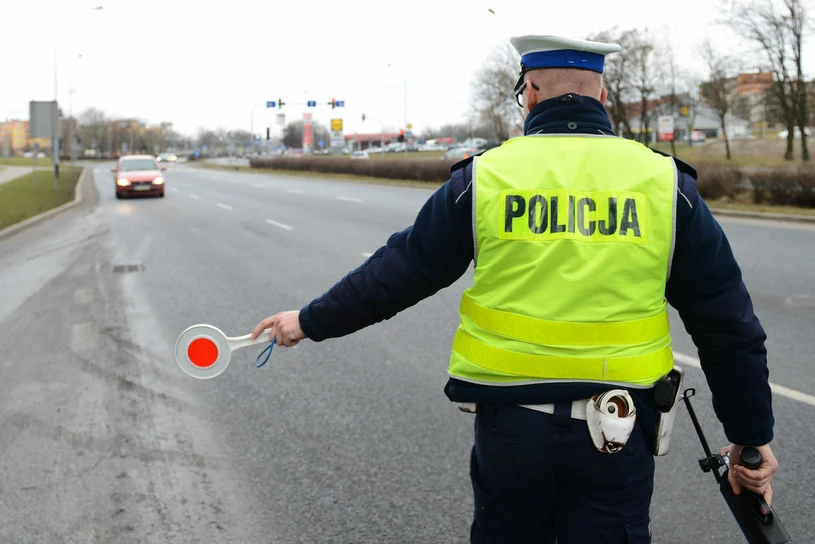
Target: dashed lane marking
[777,389]
[280,225]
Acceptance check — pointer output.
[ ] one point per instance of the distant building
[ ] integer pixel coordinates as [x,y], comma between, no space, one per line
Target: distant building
[705,119]
[124,136]
[751,96]
[14,138]
[366,141]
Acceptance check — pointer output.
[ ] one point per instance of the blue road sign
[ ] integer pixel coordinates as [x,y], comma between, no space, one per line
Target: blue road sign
[311,103]
[321,144]
[197,153]
[204,147]
[339,103]
[271,103]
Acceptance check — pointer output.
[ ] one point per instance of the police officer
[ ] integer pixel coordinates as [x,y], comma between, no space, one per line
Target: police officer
[579,241]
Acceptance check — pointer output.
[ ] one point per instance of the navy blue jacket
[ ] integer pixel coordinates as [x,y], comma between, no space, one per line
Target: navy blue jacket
[705,287]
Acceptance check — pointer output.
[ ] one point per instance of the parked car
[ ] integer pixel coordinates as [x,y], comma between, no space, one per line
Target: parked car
[797,134]
[697,137]
[138,175]
[167,157]
[360,155]
[459,153]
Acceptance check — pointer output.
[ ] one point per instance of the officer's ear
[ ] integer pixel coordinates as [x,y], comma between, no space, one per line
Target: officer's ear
[531,97]
[603,94]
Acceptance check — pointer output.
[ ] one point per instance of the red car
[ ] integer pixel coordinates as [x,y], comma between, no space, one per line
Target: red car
[138,175]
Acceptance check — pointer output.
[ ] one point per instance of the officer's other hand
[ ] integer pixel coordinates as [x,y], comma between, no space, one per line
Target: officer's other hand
[285,328]
[757,480]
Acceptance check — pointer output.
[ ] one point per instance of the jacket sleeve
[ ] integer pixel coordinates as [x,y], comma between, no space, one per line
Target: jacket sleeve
[413,265]
[706,288]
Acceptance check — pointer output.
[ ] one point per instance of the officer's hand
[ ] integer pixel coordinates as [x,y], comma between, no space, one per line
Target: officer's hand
[757,480]
[285,327]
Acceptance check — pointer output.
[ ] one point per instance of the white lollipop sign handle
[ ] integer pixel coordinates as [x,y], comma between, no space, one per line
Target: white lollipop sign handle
[204,351]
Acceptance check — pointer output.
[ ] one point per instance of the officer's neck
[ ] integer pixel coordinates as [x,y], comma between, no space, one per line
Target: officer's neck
[568,113]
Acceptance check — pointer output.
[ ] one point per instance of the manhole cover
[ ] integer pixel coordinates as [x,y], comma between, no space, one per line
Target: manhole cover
[121,268]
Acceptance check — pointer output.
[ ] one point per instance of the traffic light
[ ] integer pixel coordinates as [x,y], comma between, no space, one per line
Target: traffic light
[363,116]
[333,103]
[268,136]
[402,135]
[280,103]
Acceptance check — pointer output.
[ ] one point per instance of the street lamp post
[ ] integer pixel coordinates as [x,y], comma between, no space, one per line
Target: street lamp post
[71,149]
[405,90]
[252,122]
[70,118]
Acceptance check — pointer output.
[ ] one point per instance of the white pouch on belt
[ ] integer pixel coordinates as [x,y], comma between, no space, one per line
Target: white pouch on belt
[610,417]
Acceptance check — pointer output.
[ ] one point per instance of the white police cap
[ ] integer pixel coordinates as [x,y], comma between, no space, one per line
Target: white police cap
[554,52]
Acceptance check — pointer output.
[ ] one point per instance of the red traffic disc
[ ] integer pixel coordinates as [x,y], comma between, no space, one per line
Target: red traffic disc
[203,351]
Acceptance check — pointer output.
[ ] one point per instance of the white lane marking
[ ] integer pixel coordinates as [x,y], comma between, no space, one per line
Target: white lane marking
[349,199]
[296,191]
[281,225]
[224,206]
[83,295]
[230,181]
[82,337]
[174,189]
[258,185]
[196,197]
[366,255]
[777,389]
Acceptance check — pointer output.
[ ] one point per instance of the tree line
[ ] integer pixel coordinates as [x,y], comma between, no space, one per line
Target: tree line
[772,35]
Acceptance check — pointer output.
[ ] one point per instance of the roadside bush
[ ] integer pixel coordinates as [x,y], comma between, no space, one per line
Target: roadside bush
[433,171]
[771,186]
[718,181]
[784,187]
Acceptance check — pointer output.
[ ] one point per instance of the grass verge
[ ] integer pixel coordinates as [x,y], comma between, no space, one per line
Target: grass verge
[320,175]
[760,208]
[28,195]
[22,161]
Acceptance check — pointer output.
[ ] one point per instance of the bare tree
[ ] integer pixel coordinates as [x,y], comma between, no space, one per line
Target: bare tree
[797,22]
[492,92]
[618,79]
[780,38]
[293,134]
[718,89]
[643,53]
[670,77]
[690,104]
[93,128]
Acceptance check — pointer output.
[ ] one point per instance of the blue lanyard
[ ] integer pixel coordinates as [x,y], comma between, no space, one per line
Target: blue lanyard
[268,352]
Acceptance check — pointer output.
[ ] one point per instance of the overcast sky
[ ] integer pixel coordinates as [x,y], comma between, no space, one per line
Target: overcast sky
[208,64]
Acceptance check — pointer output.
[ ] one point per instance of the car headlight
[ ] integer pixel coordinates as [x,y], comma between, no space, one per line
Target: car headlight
[122,182]
[158,181]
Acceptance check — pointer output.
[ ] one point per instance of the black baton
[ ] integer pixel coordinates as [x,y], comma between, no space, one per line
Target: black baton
[758,522]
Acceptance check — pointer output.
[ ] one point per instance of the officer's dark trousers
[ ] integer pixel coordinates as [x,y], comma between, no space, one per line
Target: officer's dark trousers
[537,478]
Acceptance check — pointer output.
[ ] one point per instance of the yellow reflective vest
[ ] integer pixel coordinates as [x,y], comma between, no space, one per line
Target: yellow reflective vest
[573,243]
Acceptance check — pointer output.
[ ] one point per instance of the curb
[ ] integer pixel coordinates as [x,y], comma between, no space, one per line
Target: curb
[765,215]
[85,190]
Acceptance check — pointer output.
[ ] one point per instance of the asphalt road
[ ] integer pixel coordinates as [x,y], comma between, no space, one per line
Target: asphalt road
[103,438]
